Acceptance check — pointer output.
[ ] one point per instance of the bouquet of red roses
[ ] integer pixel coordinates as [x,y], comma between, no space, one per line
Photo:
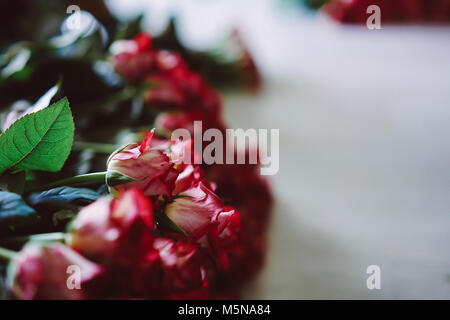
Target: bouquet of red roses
[157,225]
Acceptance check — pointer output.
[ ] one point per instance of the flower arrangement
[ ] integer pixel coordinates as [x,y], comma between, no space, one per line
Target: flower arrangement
[152,226]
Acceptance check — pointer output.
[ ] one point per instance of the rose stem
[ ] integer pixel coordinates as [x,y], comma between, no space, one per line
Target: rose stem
[54,236]
[96,147]
[76,181]
[6,254]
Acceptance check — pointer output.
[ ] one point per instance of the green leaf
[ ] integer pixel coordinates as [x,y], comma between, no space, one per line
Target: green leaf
[178,196]
[43,102]
[38,141]
[14,212]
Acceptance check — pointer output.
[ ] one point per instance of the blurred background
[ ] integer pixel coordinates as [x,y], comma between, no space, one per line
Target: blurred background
[364,119]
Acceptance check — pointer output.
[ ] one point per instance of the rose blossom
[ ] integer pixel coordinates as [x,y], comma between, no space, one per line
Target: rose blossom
[195,210]
[182,264]
[120,229]
[41,272]
[175,86]
[149,169]
[134,59]
[202,216]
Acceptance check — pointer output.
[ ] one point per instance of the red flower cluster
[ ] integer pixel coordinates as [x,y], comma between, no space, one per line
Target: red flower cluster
[240,185]
[176,87]
[167,233]
[160,237]
[393,11]
[167,228]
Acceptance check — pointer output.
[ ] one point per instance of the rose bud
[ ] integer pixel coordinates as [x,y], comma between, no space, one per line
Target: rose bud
[142,167]
[134,59]
[195,210]
[50,272]
[182,264]
[119,230]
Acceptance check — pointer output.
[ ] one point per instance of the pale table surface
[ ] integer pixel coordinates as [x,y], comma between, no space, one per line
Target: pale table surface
[364,119]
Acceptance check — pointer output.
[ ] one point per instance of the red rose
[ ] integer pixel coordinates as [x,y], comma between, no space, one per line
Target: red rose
[148,169]
[144,42]
[170,269]
[134,59]
[175,86]
[167,94]
[201,214]
[251,195]
[195,210]
[133,66]
[43,271]
[120,230]
[183,266]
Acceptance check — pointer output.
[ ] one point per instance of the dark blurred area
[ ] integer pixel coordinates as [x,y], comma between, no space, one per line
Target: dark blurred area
[38,50]
[29,24]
